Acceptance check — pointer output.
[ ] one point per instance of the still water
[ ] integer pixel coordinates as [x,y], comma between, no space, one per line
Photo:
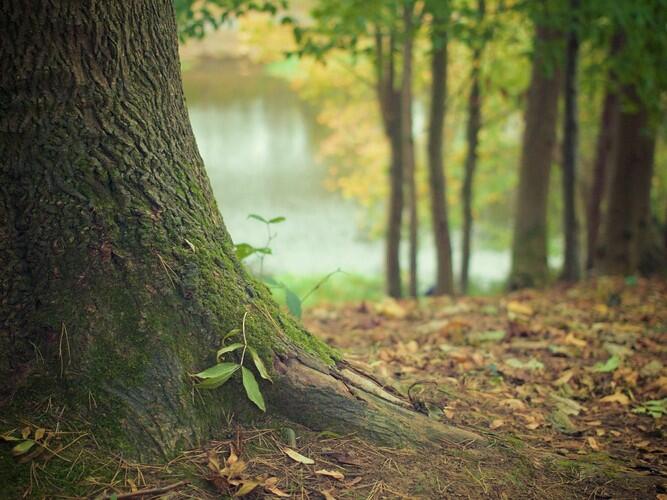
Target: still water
[259,142]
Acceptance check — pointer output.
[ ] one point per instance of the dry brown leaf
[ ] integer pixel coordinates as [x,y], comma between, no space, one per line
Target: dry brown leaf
[592,442]
[298,457]
[571,339]
[246,487]
[519,308]
[513,404]
[617,397]
[331,473]
[25,432]
[327,494]
[213,462]
[564,378]
[495,424]
[270,485]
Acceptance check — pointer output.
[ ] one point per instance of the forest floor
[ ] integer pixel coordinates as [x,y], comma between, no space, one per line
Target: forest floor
[568,385]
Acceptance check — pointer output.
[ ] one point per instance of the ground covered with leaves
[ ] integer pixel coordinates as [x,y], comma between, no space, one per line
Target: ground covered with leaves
[568,386]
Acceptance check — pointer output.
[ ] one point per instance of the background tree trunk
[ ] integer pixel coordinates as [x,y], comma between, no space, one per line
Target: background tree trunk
[472,137]
[390,109]
[438,180]
[407,143]
[571,266]
[529,245]
[628,220]
[603,156]
[118,276]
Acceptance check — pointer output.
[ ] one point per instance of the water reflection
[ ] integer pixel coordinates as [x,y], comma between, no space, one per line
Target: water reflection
[259,143]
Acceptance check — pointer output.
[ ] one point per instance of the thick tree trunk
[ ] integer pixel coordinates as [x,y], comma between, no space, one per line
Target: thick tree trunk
[472,137]
[603,155]
[438,181]
[407,144]
[389,100]
[529,246]
[118,277]
[628,221]
[571,266]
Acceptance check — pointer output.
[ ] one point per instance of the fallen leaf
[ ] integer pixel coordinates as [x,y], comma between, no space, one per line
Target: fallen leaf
[564,378]
[498,422]
[331,473]
[327,494]
[571,339]
[39,433]
[519,308]
[246,487]
[593,443]
[270,486]
[298,457]
[617,397]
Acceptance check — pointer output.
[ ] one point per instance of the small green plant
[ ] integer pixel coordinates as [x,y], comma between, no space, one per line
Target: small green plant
[293,301]
[217,375]
[245,250]
[657,408]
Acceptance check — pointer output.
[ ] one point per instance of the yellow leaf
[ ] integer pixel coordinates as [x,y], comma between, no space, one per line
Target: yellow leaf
[570,339]
[327,494]
[593,443]
[25,432]
[246,487]
[617,397]
[564,378]
[270,486]
[496,423]
[519,308]
[298,457]
[39,433]
[213,462]
[331,473]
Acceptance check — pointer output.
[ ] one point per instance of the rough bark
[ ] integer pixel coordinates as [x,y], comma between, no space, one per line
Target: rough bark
[472,138]
[529,245]
[571,265]
[438,181]
[603,155]
[118,275]
[628,222]
[389,99]
[407,144]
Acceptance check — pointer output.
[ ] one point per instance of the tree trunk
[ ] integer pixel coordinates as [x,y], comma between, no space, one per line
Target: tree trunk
[472,137]
[118,276]
[529,246]
[407,143]
[628,220]
[571,267]
[603,155]
[438,181]
[390,104]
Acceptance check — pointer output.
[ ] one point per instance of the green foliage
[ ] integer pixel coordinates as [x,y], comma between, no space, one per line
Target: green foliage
[657,408]
[216,376]
[195,17]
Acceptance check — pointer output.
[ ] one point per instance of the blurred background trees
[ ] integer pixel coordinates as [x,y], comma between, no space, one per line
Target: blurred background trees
[497,142]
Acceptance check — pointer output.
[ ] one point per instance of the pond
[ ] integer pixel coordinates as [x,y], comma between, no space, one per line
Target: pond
[259,142]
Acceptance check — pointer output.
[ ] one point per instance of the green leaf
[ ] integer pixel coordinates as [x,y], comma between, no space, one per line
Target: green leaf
[258,217]
[608,366]
[228,348]
[245,250]
[217,375]
[293,303]
[23,447]
[263,372]
[272,281]
[252,389]
[277,220]
[531,364]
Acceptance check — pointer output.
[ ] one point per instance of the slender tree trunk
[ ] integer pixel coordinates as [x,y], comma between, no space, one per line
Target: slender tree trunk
[118,277]
[438,180]
[472,137]
[407,143]
[529,246]
[603,155]
[571,266]
[389,99]
[628,220]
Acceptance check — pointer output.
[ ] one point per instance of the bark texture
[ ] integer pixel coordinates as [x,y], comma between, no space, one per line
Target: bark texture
[118,276]
[473,127]
[444,283]
[389,99]
[603,156]
[529,245]
[627,229]
[407,144]
[571,265]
